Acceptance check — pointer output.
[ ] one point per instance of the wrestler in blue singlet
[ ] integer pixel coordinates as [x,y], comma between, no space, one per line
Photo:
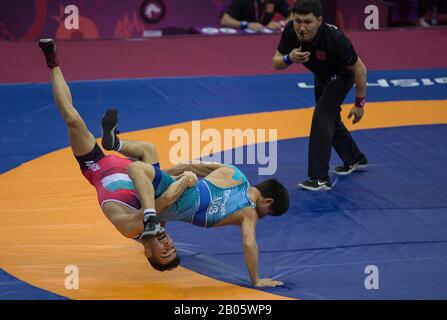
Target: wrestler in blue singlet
[206,204]
[161,181]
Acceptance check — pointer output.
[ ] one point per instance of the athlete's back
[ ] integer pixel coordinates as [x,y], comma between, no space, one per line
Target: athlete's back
[219,195]
[226,177]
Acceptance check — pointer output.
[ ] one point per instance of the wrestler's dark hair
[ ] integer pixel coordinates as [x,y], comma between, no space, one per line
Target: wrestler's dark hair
[307,6]
[272,188]
[164,267]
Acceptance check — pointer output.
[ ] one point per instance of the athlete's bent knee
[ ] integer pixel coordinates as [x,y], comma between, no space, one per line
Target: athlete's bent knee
[139,168]
[149,149]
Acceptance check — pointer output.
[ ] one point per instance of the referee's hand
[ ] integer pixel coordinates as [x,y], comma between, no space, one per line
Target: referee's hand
[357,113]
[299,57]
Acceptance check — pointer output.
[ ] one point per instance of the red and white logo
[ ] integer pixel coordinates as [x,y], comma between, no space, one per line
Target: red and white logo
[152,11]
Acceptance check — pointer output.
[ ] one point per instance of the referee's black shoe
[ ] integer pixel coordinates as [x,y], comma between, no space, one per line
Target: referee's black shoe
[345,169]
[109,124]
[315,185]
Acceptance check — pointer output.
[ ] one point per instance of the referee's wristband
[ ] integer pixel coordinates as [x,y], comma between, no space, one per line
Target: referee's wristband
[244,25]
[360,102]
[286,59]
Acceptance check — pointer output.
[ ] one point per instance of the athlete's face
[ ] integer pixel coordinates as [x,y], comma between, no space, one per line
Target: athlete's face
[306,26]
[163,248]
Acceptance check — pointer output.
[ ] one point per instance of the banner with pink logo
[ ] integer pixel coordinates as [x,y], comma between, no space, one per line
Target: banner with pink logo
[33,19]
[93,19]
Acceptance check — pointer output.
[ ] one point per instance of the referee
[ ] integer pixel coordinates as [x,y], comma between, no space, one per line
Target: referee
[328,53]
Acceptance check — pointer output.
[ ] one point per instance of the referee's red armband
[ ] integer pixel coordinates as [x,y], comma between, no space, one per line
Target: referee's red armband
[360,102]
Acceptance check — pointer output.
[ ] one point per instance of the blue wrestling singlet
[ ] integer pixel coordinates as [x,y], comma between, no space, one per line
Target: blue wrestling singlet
[206,204]
[161,181]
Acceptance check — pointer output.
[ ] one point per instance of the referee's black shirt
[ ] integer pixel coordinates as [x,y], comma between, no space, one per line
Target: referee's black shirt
[331,51]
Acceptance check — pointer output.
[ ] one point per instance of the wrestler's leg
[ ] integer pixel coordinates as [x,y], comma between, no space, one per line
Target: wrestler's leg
[138,150]
[141,150]
[81,140]
[142,175]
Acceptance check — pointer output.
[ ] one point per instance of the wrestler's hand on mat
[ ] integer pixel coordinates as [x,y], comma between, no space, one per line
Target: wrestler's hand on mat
[192,178]
[299,57]
[268,283]
[357,112]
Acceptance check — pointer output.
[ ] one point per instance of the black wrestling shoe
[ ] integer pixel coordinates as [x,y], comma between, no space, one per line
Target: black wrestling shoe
[152,227]
[49,50]
[315,185]
[109,123]
[345,169]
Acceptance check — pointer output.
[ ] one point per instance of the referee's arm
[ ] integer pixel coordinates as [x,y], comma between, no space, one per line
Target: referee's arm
[360,72]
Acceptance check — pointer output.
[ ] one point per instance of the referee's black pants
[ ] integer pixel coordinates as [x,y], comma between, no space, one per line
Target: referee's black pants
[328,130]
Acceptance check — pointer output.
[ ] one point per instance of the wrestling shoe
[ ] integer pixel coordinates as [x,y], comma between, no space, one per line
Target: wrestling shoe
[152,227]
[315,185]
[345,169]
[110,140]
[49,50]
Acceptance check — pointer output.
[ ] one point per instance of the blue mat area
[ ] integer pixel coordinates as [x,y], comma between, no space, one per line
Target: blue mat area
[12,288]
[393,215]
[28,123]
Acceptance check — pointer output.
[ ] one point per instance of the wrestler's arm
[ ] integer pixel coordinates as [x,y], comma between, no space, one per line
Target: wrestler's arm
[200,168]
[175,191]
[251,252]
